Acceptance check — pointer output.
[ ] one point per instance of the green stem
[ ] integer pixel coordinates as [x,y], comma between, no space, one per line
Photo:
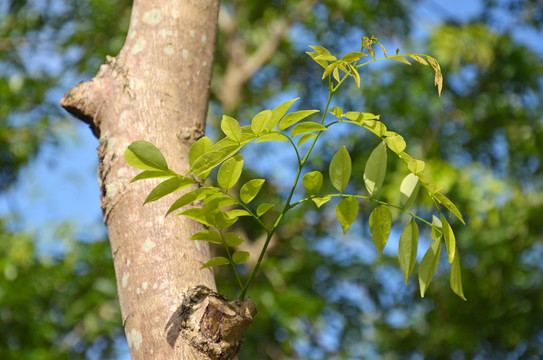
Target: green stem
[231,261]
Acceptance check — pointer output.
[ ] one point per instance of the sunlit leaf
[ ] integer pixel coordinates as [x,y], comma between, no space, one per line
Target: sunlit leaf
[231,128]
[292,118]
[428,265]
[395,143]
[216,261]
[306,127]
[145,156]
[361,117]
[354,74]
[313,182]
[436,228]
[272,136]
[320,201]
[346,212]
[201,215]
[340,169]
[250,189]
[419,59]
[409,189]
[305,137]
[199,148]
[224,220]
[329,69]
[211,159]
[450,240]
[239,257]
[260,121]
[279,112]
[229,172]
[376,127]
[336,111]
[380,224]
[415,166]
[207,235]
[399,58]
[238,212]
[456,277]
[148,174]
[167,187]
[352,56]
[449,205]
[375,170]
[232,239]
[263,208]
[407,249]
[190,197]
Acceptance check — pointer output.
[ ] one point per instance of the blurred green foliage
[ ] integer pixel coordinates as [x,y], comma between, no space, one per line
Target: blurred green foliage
[320,295]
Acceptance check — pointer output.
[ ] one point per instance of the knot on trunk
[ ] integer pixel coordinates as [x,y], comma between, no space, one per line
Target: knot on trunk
[210,323]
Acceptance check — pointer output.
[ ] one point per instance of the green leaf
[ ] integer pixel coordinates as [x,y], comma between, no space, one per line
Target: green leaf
[376,127]
[312,182]
[239,257]
[428,266]
[229,172]
[450,240]
[167,187]
[380,224]
[340,169]
[292,118]
[346,212]
[336,111]
[409,190]
[147,174]
[272,136]
[263,208]
[190,197]
[354,74]
[326,57]
[211,159]
[361,118]
[407,249]
[352,56]
[419,59]
[320,201]
[238,212]
[260,121]
[250,189]
[224,220]
[199,148]
[232,239]
[305,138]
[207,235]
[376,167]
[202,215]
[145,156]
[231,128]
[328,69]
[399,58]
[436,228]
[306,127]
[456,277]
[279,112]
[416,166]
[320,50]
[449,205]
[314,56]
[395,143]
[216,261]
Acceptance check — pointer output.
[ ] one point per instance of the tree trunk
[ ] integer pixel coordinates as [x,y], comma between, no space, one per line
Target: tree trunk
[157,90]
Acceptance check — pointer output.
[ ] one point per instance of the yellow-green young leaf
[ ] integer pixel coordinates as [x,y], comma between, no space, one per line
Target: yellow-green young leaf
[199,148]
[456,277]
[190,197]
[148,174]
[346,212]
[207,235]
[306,127]
[449,205]
[145,156]
[376,167]
[238,213]
[314,56]
[229,172]
[352,56]
[407,249]
[354,74]
[203,216]
[211,159]
[409,189]
[415,166]
[216,261]
[231,128]
[335,74]
[432,188]
[320,50]
[380,224]
[224,220]
[260,121]
[340,169]
[336,111]
[438,80]
[167,187]
[263,208]
[450,240]
[376,127]
[395,143]
[428,266]
[326,58]
[320,201]
[399,58]
[239,257]
[292,118]
[312,182]
[436,228]
[272,136]
[232,239]
[279,112]
[329,69]
[250,189]
[419,59]
[361,117]
[305,138]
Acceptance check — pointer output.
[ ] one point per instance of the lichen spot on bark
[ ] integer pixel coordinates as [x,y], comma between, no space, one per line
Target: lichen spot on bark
[175,14]
[135,83]
[144,285]
[122,172]
[192,33]
[148,245]
[204,39]
[111,190]
[138,47]
[134,338]
[124,280]
[151,17]
[168,50]
[185,54]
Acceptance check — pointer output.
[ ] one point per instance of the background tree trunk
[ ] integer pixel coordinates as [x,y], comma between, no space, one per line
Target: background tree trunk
[157,90]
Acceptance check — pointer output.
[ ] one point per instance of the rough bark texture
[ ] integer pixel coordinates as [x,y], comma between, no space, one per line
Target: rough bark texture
[157,90]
